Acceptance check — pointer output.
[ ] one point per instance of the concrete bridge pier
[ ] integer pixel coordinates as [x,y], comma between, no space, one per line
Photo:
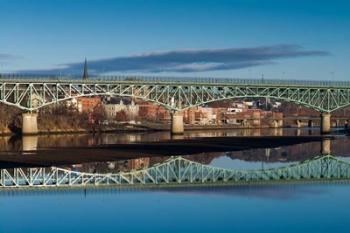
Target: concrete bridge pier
[29,123]
[177,123]
[325,123]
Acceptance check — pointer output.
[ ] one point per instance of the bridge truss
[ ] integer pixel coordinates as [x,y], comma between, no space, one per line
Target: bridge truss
[175,171]
[32,95]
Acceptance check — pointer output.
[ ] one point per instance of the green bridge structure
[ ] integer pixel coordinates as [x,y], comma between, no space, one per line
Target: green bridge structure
[176,171]
[175,94]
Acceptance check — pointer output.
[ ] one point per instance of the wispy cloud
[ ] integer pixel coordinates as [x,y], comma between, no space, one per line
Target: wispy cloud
[190,60]
[4,56]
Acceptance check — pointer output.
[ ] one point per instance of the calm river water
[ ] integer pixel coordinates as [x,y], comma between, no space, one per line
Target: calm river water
[253,208]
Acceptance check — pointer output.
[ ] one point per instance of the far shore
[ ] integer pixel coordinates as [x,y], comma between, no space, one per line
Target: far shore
[153,127]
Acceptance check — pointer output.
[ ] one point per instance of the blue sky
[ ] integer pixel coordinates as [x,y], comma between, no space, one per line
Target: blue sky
[244,39]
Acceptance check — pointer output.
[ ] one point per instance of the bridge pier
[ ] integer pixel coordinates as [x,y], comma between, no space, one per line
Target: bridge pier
[177,123]
[29,123]
[325,123]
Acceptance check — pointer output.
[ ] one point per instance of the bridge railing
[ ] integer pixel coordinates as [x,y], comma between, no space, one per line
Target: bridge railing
[238,81]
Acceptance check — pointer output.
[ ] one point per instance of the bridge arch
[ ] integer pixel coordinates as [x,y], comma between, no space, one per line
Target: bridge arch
[172,107]
[305,104]
[91,95]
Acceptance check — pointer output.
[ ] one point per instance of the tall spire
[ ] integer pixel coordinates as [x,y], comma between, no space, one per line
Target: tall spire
[85,74]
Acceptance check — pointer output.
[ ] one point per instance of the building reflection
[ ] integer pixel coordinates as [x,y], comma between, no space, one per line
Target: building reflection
[34,142]
[264,156]
[283,154]
[114,166]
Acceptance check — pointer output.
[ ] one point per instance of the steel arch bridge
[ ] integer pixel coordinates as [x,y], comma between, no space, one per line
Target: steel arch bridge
[174,94]
[176,171]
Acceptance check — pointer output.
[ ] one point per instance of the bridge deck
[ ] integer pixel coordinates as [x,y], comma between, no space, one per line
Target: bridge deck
[172,80]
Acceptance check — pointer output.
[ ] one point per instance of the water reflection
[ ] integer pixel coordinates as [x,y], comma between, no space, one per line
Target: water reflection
[247,159]
[106,158]
[30,143]
[115,160]
[239,201]
[279,192]
[176,171]
[25,143]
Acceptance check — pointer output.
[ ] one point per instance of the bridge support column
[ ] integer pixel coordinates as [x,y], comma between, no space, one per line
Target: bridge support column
[325,123]
[177,123]
[30,123]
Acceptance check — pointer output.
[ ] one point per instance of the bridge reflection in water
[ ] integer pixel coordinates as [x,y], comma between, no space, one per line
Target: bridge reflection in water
[176,171]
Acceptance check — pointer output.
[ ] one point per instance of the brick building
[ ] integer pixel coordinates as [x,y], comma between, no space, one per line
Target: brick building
[87,104]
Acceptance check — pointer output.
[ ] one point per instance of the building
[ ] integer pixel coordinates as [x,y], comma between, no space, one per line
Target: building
[131,110]
[151,112]
[74,104]
[202,116]
[36,100]
[87,104]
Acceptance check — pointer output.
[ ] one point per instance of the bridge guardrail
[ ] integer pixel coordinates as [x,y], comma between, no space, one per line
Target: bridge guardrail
[275,82]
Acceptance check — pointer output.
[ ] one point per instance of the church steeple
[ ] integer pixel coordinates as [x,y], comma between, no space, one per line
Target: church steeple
[85,74]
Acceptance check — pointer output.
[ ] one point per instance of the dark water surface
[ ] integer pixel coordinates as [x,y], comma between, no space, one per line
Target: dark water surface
[313,207]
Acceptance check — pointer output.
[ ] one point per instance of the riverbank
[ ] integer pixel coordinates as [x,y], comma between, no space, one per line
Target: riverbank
[148,127]
[145,127]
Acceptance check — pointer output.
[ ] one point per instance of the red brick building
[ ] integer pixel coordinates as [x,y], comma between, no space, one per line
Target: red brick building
[150,111]
[87,104]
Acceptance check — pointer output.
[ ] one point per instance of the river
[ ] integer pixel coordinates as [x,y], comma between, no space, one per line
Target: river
[299,207]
